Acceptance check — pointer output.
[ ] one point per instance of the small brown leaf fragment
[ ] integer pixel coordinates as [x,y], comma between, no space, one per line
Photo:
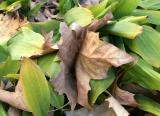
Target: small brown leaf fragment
[116,106]
[14,112]
[95,25]
[48,46]
[65,82]
[98,110]
[125,97]
[94,60]
[9,25]
[14,99]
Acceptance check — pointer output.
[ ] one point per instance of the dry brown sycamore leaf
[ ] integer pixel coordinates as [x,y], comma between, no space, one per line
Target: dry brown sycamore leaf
[9,26]
[125,97]
[109,108]
[14,99]
[94,60]
[65,82]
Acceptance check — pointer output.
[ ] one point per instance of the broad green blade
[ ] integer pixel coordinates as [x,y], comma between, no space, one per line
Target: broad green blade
[99,86]
[142,74]
[125,7]
[150,4]
[124,29]
[153,16]
[49,65]
[35,88]
[56,99]
[98,8]
[79,15]
[147,45]
[47,26]
[148,104]
[25,43]
[2,110]
[9,67]
[3,54]
[65,5]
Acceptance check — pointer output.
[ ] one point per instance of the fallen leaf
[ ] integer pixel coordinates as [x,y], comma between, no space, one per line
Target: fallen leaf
[65,82]
[9,26]
[14,112]
[118,109]
[101,22]
[124,97]
[33,98]
[98,110]
[89,2]
[109,108]
[94,60]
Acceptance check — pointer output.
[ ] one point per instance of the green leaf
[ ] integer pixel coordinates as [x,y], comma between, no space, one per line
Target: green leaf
[150,4]
[125,7]
[148,104]
[3,54]
[124,29]
[65,5]
[49,65]
[9,67]
[98,8]
[79,15]
[2,110]
[47,26]
[99,86]
[25,43]
[147,45]
[35,10]
[143,74]
[56,99]
[152,15]
[24,113]
[35,88]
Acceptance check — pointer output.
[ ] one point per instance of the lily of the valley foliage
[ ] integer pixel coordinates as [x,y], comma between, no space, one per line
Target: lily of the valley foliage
[100,57]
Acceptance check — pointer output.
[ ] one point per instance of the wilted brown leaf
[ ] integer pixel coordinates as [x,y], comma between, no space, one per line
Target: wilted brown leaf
[14,99]
[65,82]
[14,112]
[109,108]
[49,46]
[115,105]
[89,2]
[94,60]
[9,25]
[125,97]
[100,23]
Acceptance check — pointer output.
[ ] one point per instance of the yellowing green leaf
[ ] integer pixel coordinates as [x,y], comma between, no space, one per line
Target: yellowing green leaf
[35,88]
[25,43]
[153,16]
[79,15]
[124,29]
[147,46]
